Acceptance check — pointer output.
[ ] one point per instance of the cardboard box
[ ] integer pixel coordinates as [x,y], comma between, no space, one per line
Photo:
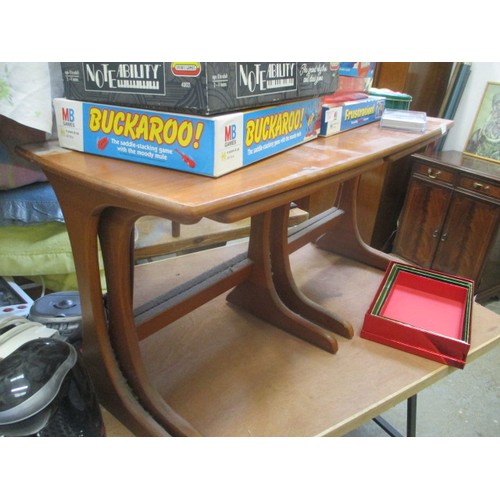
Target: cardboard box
[205,88]
[358,69]
[211,146]
[341,116]
[423,312]
[354,84]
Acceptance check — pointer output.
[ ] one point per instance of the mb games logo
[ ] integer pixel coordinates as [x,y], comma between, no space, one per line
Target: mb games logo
[230,135]
[68,117]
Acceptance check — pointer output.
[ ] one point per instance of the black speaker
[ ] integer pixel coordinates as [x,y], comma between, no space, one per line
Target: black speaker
[45,390]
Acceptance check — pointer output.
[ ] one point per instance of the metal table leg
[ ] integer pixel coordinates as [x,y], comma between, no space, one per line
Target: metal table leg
[411,420]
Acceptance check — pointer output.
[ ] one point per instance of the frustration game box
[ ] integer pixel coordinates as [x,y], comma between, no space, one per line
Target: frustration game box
[211,146]
[345,115]
[205,88]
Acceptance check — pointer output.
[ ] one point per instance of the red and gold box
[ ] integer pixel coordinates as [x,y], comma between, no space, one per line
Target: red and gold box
[424,312]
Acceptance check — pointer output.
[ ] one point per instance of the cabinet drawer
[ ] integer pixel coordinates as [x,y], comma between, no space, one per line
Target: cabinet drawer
[480,186]
[436,173]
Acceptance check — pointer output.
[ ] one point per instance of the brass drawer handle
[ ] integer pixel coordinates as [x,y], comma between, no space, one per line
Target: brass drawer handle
[433,175]
[478,186]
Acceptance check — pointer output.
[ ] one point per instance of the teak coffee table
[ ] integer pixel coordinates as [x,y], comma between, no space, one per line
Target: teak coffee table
[102,198]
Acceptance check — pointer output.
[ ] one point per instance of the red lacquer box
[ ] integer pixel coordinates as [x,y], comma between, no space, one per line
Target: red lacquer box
[423,312]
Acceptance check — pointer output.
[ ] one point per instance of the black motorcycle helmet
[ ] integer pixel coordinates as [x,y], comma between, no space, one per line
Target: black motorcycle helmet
[46,391]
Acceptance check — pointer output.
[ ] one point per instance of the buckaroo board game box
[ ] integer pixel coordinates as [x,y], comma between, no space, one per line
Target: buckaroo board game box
[344,115]
[424,312]
[197,87]
[211,146]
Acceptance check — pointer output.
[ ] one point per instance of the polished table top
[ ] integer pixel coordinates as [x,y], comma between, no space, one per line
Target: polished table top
[187,197]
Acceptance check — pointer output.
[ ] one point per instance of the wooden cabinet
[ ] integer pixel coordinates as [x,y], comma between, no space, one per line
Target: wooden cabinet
[450,218]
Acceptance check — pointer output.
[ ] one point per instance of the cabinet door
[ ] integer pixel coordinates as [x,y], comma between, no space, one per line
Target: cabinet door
[489,283]
[422,221]
[466,237]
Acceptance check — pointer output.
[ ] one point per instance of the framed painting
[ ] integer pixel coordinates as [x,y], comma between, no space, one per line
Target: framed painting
[484,137]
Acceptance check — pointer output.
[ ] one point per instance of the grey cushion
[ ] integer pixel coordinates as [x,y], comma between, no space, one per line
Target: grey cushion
[33,204]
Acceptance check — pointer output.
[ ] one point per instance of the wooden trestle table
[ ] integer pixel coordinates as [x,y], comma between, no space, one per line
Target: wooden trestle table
[171,354]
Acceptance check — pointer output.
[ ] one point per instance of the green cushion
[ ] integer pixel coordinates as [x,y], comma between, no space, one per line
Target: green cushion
[40,252]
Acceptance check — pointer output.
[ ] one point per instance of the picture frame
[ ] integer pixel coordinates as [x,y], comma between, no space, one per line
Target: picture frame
[484,138]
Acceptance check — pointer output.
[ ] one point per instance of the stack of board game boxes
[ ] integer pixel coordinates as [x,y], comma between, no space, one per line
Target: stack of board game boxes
[351,105]
[205,118]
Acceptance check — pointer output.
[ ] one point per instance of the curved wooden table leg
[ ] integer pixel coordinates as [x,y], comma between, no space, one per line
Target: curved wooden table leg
[81,219]
[115,231]
[258,294]
[344,239]
[285,286]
